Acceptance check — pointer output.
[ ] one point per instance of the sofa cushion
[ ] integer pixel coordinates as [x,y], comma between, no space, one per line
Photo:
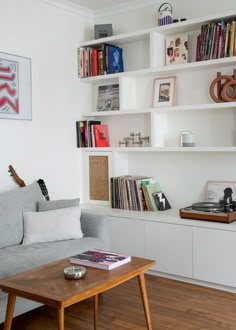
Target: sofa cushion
[54,225]
[12,206]
[57,204]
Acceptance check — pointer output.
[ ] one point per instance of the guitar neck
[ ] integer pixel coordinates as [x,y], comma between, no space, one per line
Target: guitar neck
[43,188]
[16,177]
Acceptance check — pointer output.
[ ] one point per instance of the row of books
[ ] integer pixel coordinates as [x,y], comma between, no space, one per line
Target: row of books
[217,40]
[105,59]
[91,133]
[137,193]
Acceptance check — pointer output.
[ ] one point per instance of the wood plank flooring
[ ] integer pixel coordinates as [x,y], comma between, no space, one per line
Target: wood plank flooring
[174,306]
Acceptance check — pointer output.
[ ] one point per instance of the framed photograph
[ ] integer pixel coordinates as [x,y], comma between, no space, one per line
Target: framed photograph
[164,90]
[221,191]
[177,49]
[108,98]
[15,87]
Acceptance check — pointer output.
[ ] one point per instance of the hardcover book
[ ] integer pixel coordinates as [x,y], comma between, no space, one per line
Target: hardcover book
[100,259]
[177,49]
[108,98]
[101,137]
[114,57]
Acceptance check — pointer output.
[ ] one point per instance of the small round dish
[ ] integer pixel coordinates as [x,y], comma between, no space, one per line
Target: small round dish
[74,272]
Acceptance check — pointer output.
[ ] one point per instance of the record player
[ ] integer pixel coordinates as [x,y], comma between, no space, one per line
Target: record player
[217,212]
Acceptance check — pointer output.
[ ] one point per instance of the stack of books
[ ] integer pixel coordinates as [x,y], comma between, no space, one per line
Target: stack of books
[91,133]
[105,59]
[137,193]
[217,40]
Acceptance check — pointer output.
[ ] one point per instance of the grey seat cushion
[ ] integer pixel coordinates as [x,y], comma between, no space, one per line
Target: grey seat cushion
[57,204]
[20,258]
[12,206]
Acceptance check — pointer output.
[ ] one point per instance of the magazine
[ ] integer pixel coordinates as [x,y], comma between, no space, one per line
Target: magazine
[100,259]
[221,191]
[177,49]
[108,98]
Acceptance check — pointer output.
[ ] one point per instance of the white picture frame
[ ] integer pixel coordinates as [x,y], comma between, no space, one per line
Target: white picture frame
[15,87]
[164,92]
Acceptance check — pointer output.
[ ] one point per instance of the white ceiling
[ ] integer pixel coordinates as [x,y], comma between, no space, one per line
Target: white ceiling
[102,4]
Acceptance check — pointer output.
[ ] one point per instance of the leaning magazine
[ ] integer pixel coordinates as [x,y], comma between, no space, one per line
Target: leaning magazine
[100,259]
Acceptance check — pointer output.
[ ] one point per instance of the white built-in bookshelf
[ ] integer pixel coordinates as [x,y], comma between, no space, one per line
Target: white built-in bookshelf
[144,60]
[179,169]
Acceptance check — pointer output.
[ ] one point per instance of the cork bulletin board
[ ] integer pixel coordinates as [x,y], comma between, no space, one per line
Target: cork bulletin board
[98,178]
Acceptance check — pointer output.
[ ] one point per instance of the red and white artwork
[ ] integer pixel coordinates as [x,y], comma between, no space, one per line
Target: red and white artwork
[9,86]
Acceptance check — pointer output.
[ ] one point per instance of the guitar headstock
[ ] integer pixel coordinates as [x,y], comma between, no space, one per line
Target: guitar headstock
[43,188]
[16,177]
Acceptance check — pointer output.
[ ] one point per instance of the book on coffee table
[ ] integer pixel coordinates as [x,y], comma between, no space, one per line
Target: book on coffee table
[100,259]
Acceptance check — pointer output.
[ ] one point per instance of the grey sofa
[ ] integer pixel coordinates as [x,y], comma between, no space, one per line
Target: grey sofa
[16,257]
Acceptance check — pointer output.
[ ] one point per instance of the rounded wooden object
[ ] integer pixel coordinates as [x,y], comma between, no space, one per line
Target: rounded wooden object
[215,82]
[225,88]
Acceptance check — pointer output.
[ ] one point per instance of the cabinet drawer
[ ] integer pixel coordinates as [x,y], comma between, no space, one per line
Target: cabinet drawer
[171,246]
[214,256]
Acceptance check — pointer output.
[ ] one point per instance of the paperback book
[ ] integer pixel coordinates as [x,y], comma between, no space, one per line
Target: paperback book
[100,259]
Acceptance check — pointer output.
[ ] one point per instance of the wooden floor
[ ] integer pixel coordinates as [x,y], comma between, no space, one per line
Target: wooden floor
[174,306]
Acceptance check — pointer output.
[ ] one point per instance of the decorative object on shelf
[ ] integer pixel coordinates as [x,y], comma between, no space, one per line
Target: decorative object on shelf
[164,92]
[102,31]
[108,98]
[177,49]
[226,91]
[15,87]
[134,139]
[165,14]
[187,139]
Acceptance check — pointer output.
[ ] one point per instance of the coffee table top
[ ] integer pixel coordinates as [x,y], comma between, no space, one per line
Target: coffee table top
[47,284]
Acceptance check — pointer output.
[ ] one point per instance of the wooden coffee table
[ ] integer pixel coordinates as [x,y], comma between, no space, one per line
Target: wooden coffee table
[48,286]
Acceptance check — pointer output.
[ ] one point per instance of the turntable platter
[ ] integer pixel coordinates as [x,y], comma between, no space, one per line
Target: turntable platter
[208,207]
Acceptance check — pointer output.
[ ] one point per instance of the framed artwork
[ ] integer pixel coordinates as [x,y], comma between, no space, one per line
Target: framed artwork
[221,192]
[15,87]
[108,98]
[177,49]
[164,90]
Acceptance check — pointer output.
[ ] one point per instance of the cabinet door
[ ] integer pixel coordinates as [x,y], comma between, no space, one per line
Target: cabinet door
[214,256]
[127,236]
[171,246]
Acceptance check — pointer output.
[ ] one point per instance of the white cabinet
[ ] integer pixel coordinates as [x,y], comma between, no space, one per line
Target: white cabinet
[171,246]
[127,236]
[214,256]
[144,60]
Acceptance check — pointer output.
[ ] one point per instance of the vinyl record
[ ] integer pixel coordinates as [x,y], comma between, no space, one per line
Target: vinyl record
[208,207]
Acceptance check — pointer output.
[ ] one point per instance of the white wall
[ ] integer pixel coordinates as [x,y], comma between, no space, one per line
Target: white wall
[46,146]
[183,176]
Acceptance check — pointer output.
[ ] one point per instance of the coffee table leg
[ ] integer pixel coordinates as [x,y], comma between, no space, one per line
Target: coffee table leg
[95,307]
[143,291]
[60,318]
[9,312]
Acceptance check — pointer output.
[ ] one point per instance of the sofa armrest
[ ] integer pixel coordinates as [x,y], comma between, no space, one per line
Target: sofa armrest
[94,225]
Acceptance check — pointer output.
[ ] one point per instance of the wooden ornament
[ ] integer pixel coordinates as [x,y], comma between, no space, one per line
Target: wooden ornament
[223,88]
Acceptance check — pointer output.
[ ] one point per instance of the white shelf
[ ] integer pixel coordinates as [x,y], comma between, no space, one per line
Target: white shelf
[190,107]
[161,149]
[181,27]
[171,69]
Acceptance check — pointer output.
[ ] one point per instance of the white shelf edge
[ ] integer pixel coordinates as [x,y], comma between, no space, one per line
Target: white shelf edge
[190,107]
[170,69]
[188,25]
[161,149]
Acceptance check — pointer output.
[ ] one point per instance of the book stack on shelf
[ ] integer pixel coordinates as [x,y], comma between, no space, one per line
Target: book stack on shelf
[105,59]
[137,193]
[100,259]
[91,133]
[217,40]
